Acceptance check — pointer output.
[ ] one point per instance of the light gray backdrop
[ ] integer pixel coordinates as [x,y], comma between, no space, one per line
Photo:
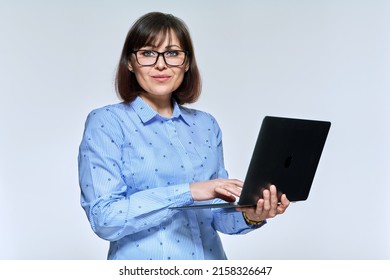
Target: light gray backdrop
[325,60]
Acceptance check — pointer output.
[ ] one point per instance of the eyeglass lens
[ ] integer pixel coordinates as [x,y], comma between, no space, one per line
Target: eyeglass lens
[173,57]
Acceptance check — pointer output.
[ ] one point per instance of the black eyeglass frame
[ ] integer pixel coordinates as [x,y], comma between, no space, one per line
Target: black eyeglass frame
[163,55]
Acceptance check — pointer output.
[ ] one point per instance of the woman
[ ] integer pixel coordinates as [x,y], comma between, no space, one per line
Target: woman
[141,157]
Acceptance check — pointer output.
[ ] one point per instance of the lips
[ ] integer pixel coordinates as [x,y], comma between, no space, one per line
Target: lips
[161,77]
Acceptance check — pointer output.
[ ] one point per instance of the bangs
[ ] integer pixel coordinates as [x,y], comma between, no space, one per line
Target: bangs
[157,38]
[154,29]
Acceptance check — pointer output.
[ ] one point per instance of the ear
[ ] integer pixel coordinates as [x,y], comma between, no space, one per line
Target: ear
[187,67]
[130,67]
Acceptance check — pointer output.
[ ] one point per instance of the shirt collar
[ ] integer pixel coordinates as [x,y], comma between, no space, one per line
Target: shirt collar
[148,114]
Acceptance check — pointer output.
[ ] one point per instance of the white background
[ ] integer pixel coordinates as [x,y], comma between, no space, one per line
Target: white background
[326,60]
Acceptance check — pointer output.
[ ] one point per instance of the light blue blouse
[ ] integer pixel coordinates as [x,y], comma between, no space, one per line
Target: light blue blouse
[135,164]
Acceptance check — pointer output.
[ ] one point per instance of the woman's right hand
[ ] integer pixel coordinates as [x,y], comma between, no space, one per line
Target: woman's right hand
[226,189]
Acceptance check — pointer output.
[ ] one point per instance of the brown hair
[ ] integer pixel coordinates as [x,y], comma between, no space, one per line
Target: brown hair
[145,31]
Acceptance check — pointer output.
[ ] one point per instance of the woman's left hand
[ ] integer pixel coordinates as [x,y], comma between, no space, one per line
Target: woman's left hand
[267,207]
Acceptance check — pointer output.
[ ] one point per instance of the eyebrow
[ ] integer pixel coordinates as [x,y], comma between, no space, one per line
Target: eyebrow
[170,46]
[167,47]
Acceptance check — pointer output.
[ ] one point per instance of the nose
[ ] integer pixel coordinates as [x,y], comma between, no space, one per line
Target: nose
[160,63]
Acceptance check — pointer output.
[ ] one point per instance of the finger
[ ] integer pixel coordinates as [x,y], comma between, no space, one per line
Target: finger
[227,190]
[237,182]
[283,205]
[254,213]
[259,207]
[232,189]
[274,196]
[224,194]
[265,203]
[232,184]
[284,200]
[273,201]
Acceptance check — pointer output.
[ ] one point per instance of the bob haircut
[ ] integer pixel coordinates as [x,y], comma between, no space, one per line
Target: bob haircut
[146,31]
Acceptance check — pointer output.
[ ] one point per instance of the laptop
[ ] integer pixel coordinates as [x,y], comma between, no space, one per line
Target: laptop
[286,154]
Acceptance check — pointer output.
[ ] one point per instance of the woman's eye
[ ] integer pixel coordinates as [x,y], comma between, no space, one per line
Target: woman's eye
[148,53]
[172,53]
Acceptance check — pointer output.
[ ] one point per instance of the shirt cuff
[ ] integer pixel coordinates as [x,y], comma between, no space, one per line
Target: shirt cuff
[182,196]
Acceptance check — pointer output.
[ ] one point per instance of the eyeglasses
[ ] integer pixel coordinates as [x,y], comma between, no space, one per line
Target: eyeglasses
[171,58]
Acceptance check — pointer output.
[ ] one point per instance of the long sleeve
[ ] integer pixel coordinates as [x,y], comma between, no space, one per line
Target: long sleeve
[134,165]
[113,208]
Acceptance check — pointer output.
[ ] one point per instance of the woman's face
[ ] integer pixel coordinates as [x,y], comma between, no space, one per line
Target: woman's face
[159,80]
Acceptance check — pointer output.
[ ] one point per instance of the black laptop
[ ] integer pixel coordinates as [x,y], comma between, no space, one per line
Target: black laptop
[286,154]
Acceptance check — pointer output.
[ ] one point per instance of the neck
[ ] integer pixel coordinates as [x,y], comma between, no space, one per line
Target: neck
[161,104]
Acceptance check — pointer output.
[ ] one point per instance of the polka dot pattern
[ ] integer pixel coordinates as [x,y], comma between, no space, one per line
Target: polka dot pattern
[134,164]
